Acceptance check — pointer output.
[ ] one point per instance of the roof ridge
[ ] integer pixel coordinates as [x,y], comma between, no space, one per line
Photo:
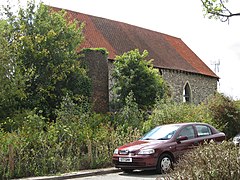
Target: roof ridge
[117,21]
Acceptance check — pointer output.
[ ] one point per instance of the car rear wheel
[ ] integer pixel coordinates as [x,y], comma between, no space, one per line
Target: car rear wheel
[165,163]
[127,170]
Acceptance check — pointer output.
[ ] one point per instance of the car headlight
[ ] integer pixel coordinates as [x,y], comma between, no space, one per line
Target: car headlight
[236,140]
[115,151]
[146,151]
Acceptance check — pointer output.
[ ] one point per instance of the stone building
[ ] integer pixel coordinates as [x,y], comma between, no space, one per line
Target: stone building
[189,78]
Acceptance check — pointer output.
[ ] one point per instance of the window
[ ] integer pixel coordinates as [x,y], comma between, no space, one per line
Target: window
[187,131]
[164,132]
[203,130]
[187,93]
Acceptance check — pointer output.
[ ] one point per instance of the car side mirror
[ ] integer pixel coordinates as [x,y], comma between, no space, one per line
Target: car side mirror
[181,138]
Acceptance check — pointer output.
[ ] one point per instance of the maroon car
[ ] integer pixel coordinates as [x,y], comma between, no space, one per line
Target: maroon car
[163,145]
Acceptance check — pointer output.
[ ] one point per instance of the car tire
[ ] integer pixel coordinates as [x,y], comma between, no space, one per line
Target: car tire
[127,170]
[165,163]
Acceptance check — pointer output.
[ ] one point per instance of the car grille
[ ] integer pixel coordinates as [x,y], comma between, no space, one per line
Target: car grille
[136,164]
[123,152]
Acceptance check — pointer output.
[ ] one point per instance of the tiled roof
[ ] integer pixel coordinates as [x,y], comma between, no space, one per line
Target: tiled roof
[167,51]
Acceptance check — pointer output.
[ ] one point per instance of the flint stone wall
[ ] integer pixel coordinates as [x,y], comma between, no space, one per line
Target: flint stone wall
[201,86]
[100,71]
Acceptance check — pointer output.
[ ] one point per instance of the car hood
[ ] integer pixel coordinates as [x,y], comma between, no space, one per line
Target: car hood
[140,144]
[236,138]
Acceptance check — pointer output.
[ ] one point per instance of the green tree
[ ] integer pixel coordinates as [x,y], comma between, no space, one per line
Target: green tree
[133,73]
[130,115]
[218,9]
[45,43]
[225,114]
[12,82]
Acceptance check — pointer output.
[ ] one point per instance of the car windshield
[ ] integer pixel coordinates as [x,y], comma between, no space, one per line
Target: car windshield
[161,133]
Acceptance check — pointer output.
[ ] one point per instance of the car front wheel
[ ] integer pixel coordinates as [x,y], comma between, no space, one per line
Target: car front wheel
[165,163]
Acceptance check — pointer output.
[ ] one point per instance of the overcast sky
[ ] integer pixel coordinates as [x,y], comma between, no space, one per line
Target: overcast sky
[211,40]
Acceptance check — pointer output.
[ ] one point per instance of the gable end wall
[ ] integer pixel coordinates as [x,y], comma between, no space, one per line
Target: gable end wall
[201,86]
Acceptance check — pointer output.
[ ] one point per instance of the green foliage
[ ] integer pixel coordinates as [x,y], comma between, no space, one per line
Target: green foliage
[129,115]
[166,112]
[81,139]
[132,72]
[15,121]
[211,161]
[213,6]
[225,114]
[12,82]
[43,46]
[102,50]
[237,104]
[78,140]
[218,9]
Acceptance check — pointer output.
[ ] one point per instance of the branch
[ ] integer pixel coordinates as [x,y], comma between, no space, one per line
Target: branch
[224,17]
[223,14]
[224,7]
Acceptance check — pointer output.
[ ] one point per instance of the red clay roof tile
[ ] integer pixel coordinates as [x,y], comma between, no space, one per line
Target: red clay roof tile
[167,51]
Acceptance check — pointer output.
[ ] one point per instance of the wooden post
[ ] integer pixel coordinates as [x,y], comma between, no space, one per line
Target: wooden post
[11,159]
[90,157]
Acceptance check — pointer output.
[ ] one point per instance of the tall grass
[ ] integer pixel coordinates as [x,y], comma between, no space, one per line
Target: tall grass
[78,140]
[58,148]
[81,139]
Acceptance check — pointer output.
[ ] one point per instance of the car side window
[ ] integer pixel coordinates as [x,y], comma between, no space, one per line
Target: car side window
[187,131]
[203,130]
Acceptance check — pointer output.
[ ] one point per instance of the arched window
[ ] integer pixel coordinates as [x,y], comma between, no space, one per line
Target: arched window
[187,93]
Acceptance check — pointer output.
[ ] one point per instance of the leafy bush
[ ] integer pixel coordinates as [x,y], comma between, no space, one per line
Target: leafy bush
[212,161]
[225,114]
[78,140]
[81,139]
[238,104]
[132,72]
[170,112]
[130,114]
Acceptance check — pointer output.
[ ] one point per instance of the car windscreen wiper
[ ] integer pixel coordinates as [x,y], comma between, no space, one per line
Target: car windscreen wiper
[148,139]
[163,139]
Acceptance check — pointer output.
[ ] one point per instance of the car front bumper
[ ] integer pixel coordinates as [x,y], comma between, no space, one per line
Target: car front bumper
[138,162]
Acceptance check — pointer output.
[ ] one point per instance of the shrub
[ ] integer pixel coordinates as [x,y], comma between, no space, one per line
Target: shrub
[170,112]
[225,114]
[8,142]
[238,104]
[130,114]
[132,72]
[210,161]
[77,140]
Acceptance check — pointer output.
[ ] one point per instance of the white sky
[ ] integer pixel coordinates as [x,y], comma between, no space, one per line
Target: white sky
[211,40]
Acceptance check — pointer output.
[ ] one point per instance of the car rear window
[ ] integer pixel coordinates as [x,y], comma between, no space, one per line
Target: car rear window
[203,130]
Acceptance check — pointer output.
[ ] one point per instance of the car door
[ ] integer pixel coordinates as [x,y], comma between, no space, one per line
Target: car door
[204,133]
[185,141]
